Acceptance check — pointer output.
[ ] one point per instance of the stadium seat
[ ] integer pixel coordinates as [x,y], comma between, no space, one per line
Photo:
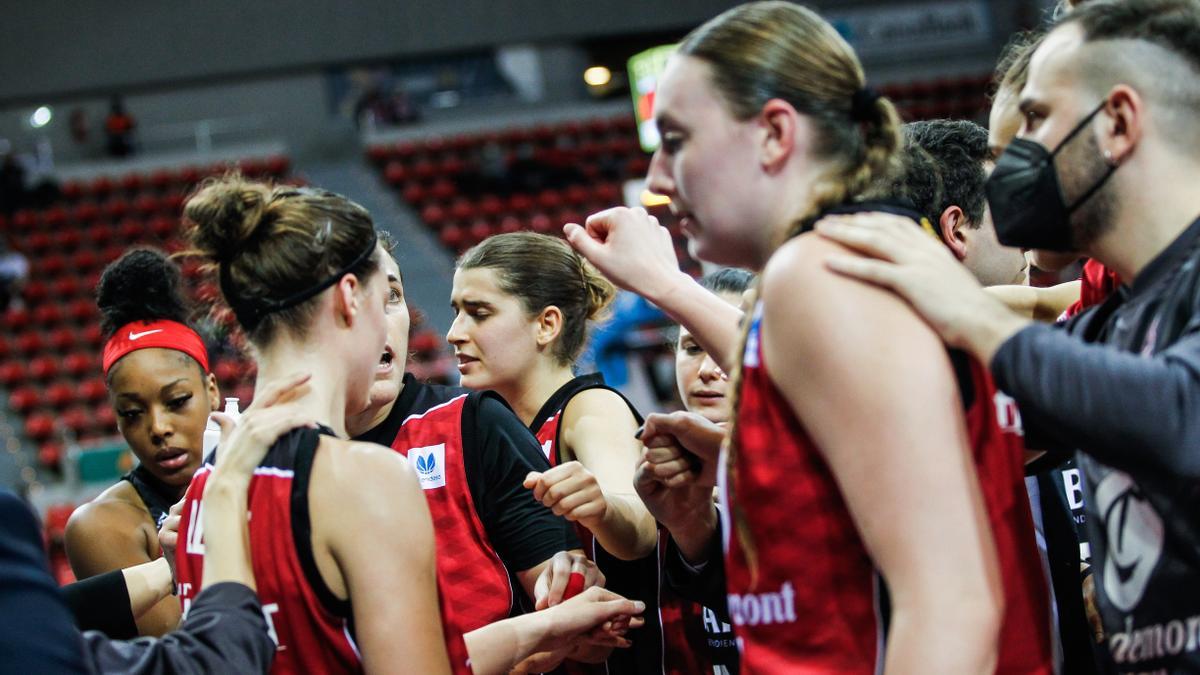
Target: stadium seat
[43,368]
[93,390]
[80,364]
[39,426]
[60,395]
[24,400]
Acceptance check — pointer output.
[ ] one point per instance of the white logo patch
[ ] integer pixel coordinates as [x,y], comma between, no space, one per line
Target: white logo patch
[430,463]
[1135,539]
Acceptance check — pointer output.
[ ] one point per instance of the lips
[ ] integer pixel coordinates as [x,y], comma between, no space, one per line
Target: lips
[172,459]
[707,395]
[386,361]
[464,361]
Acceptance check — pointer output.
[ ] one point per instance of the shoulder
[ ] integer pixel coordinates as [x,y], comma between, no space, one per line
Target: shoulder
[116,509]
[358,465]
[598,402]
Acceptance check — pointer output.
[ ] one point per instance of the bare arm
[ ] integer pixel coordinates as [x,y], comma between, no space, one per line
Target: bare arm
[113,535]
[374,518]
[596,490]
[1039,304]
[636,253]
[857,350]
[499,647]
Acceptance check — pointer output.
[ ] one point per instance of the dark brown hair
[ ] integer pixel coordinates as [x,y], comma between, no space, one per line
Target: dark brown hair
[544,271]
[272,243]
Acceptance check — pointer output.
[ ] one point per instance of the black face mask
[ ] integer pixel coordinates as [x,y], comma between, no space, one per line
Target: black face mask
[1027,202]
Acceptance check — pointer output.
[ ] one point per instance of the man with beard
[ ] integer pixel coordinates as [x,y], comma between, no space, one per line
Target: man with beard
[1107,154]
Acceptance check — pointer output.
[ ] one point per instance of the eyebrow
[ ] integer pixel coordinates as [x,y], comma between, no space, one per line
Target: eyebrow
[665,119]
[172,384]
[471,304]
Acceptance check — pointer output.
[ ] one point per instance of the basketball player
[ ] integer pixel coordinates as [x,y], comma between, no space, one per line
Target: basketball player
[522,303]
[849,410]
[159,383]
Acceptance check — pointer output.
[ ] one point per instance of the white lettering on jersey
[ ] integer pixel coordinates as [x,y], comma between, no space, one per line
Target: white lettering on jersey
[755,609]
[1073,486]
[430,463]
[269,611]
[195,540]
[1008,416]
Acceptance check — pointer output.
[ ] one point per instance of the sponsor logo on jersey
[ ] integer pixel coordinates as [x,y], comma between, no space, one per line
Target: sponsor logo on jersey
[430,463]
[1134,533]
[764,609]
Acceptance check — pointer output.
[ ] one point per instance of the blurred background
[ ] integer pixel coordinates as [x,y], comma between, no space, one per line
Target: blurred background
[449,122]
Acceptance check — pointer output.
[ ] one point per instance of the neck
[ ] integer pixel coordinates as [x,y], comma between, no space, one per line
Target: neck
[794,205]
[529,395]
[326,401]
[373,416]
[1154,209]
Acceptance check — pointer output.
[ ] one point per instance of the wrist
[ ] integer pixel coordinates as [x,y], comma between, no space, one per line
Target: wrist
[693,537]
[671,285]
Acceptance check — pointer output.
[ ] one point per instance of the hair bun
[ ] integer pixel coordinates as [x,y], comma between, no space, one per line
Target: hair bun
[226,214]
[142,285]
[600,291]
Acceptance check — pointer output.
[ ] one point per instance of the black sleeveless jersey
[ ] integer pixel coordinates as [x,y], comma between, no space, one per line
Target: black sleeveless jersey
[155,494]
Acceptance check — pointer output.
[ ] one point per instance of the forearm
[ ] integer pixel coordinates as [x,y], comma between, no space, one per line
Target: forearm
[147,584]
[694,539]
[226,535]
[1022,300]
[989,328]
[627,531]
[1125,409]
[498,647]
[713,322]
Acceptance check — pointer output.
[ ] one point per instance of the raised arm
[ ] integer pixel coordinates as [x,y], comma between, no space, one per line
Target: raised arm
[844,352]
[630,248]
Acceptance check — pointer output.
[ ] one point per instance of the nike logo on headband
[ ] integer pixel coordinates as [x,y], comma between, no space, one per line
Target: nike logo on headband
[138,336]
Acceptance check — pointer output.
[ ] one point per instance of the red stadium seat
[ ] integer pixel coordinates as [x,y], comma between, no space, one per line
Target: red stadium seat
[443,190]
[462,210]
[228,370]
[24,220]
[93,390]
[39,242]
[378,154]
[67,240]
[86,212]
[115,208]
[453,237]
[161,179]
[17,318]
[278,165]
[53,265]
[24,400]
[60,395]
[146,205]
[77,419]
[510,224]
[55,217]
[104,419]
[91,335]
[396,173]
[43,368]
[434,215]
[520,203]
[80,364]
[82,311]
[50,454]
[84,261]
[62,340]
[71,190]
[35,292]
[132,183]
[6,347]
[480,229]
[252,168]
[414,193]
[541,223]
[31,342]
[163,227]
[13,373]
[48,314]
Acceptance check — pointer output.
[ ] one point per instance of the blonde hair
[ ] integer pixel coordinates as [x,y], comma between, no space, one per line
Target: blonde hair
[778,50]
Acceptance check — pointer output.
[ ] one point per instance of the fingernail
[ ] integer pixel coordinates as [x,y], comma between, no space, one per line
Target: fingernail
[639,605]
[638,434]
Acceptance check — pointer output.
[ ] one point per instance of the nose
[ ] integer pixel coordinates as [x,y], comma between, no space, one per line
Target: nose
[456,335]
[160,424]
[710,371]
[658,178]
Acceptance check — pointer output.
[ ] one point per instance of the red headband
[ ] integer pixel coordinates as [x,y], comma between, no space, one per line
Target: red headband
[154,334]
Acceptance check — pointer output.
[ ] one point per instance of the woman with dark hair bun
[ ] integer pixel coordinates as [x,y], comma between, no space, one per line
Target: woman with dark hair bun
[159,383]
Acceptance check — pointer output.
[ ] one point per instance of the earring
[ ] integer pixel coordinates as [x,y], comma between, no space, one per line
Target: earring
[1108,156]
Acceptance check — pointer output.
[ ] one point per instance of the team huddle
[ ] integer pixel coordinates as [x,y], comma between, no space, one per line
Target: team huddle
[868,475]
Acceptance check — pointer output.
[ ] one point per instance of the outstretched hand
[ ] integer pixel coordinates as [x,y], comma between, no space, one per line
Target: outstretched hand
[568,574]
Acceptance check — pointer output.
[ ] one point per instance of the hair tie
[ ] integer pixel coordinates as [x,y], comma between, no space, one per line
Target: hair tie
[862,105]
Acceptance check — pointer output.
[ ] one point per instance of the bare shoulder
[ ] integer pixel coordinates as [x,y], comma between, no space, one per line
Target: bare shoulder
[357,469]
[118,508]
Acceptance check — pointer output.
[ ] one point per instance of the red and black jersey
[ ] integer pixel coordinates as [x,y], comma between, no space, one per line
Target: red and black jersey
[471,455]
[311,627]
[673,639]
[815,602]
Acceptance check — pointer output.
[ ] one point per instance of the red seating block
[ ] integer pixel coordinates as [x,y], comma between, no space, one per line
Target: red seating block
[62,339]
[12,374]
[93,390]
[43,368]
[60,395]
[82,310]
[48,314]
[50,454]
[24,399]
[80,364]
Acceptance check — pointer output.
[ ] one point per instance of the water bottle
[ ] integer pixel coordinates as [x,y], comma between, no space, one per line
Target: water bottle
[212,431]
